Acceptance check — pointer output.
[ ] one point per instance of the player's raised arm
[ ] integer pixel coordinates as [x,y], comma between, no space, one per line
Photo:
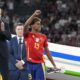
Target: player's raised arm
[29,20]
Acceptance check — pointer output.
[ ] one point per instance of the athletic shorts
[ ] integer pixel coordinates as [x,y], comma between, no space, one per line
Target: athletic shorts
[36,71]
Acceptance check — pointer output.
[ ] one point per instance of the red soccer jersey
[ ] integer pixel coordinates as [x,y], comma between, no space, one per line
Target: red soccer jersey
[35,44]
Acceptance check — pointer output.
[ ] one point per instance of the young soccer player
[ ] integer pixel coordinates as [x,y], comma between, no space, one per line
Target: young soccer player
[36,43]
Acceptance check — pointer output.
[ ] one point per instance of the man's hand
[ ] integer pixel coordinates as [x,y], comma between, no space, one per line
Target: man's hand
[37,13]
[2,28]
[19,65]
[0,13]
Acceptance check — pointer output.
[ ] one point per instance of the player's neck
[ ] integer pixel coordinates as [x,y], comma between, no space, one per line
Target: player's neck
[35,31]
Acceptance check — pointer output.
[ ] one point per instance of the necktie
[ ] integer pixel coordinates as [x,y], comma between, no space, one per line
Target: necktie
[19,40]
[20,48]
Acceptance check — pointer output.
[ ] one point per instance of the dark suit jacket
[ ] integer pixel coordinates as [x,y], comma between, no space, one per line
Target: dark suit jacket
[4,35]
[15,55]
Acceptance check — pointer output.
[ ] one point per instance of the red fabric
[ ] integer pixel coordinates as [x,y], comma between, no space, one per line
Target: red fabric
[35,44]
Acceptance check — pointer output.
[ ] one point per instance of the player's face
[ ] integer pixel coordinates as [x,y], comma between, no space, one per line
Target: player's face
[19,30]
[37,26]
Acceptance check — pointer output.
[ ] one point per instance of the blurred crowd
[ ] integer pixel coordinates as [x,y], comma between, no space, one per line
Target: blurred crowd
[60,18]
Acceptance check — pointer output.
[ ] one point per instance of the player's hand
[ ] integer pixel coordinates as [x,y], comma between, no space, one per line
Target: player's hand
[37,13]
[49,70]
[56,69]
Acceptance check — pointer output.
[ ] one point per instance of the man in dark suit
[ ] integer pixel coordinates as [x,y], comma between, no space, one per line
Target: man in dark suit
[4,35]
[18,61]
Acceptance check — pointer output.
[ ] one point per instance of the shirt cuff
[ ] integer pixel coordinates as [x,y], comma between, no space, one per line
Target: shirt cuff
[22,61]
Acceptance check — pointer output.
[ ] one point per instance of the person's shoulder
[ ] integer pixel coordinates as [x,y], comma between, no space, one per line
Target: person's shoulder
[13,38]
[43,35]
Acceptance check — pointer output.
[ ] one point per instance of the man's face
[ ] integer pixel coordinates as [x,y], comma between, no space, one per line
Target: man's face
[37,26]
[19,30]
